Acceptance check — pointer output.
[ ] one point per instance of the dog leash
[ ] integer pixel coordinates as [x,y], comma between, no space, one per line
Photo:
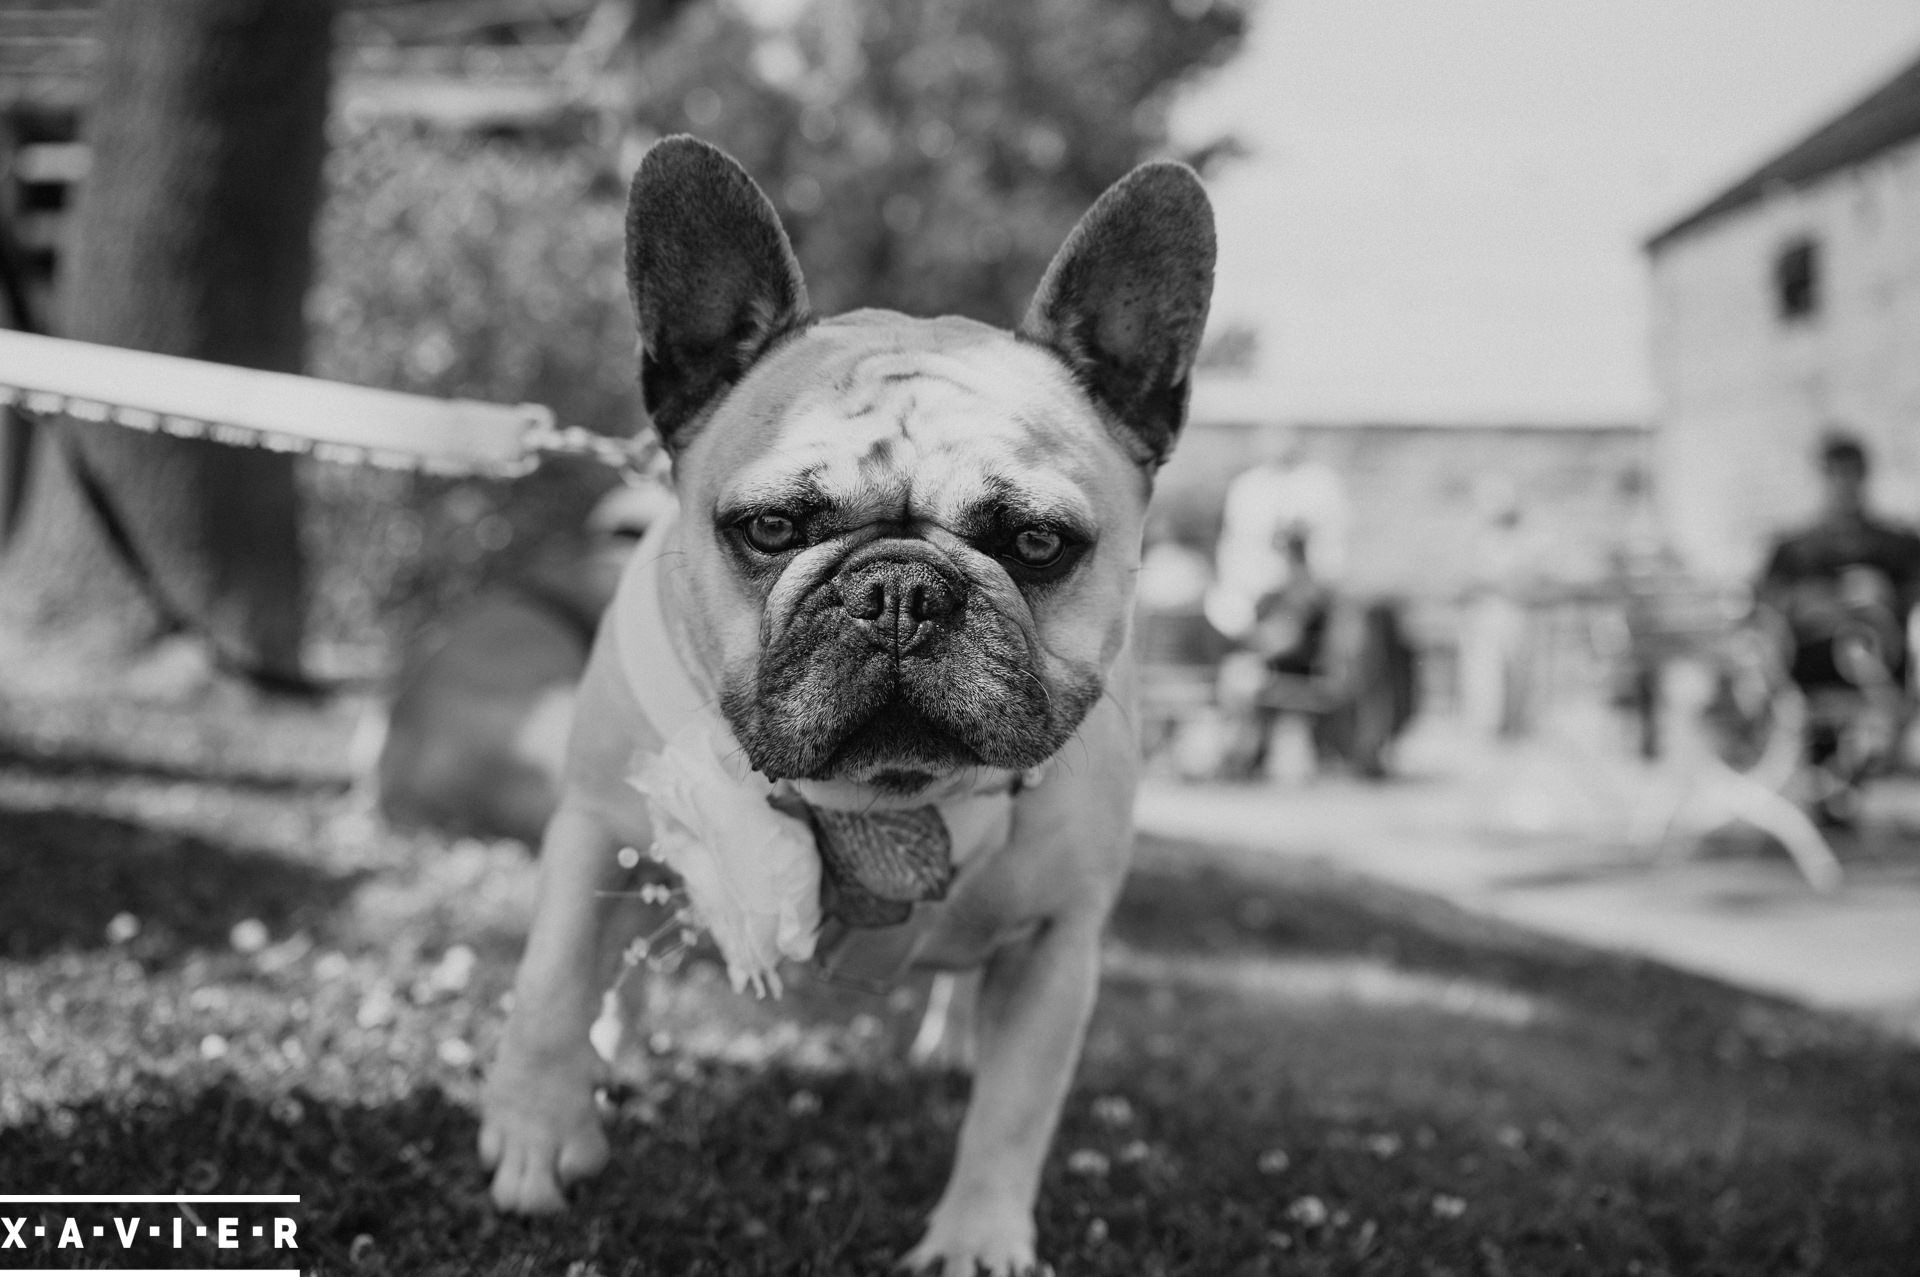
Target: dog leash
[43,376]
[286,412]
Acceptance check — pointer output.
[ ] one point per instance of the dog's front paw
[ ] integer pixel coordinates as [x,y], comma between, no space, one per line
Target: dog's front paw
[539,1133]
[966,1242]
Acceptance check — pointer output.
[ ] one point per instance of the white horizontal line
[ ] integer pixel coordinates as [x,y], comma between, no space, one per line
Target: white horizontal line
[117,1199]
[159,1272]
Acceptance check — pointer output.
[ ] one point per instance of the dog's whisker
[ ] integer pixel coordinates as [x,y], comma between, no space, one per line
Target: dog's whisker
[1128,713]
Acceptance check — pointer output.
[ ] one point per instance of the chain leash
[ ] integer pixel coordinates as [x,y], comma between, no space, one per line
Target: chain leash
[638,460]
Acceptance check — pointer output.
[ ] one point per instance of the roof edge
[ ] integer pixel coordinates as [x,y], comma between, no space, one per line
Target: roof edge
[1885,117]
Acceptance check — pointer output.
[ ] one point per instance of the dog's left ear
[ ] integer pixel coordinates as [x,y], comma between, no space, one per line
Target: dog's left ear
[1125,301]
[713,278]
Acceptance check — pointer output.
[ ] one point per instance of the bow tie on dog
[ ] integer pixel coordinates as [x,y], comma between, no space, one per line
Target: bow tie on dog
[901,580]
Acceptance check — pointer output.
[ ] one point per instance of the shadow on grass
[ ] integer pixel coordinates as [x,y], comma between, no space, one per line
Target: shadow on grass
[228,736]
[730,1178]
[64,876]
[91,762]
[734,1176]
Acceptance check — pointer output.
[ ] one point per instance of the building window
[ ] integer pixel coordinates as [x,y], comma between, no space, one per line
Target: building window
[1796,280]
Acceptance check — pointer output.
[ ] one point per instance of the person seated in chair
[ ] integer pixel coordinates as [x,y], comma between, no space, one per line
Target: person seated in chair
[1841,592]
[1290,623]
[1275,663]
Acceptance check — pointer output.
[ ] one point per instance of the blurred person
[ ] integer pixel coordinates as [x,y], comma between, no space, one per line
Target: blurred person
[1641,566]
[1496,657]
[1282,499]
[1314,674]
[1631,643]
[1282,544]
[1324,676]
[1840,596]
[1290,621]
[1270,674]
[1846,583]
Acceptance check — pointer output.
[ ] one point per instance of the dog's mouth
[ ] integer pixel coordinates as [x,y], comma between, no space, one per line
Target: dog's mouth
[898,733]
[899,749]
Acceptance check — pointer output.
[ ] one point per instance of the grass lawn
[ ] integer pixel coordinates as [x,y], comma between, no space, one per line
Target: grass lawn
[216,976]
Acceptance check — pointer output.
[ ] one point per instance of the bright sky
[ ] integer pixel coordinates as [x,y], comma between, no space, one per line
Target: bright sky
[1442,216]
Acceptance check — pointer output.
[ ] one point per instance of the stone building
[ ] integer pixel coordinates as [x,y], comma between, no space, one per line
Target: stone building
[1786,305]
[1422,494]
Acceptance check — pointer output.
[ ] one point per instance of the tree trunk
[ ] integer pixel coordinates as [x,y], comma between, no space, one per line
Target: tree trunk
[192,237]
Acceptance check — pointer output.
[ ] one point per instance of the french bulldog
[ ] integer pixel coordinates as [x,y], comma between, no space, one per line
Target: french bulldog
[869,693]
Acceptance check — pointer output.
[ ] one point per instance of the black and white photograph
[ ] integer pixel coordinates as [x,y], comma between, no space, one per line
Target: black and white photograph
[960,638]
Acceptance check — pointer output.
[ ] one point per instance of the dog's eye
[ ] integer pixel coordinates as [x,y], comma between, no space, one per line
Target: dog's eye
[1037,547]
[771,533]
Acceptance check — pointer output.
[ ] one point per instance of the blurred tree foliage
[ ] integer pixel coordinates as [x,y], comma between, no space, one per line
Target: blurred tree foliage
[470,267]
[930,155]
[925,155]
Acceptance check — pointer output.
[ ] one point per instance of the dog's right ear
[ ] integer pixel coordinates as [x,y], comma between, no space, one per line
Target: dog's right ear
[713,279]
[1125,301]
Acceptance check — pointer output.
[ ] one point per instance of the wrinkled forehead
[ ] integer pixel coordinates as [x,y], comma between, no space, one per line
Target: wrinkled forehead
[899,417]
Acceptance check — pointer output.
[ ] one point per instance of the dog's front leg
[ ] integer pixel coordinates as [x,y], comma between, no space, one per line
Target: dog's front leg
[540,1129]
[1032,1015]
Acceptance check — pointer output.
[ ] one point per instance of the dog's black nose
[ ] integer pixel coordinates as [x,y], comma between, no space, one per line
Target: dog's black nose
[892,600]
